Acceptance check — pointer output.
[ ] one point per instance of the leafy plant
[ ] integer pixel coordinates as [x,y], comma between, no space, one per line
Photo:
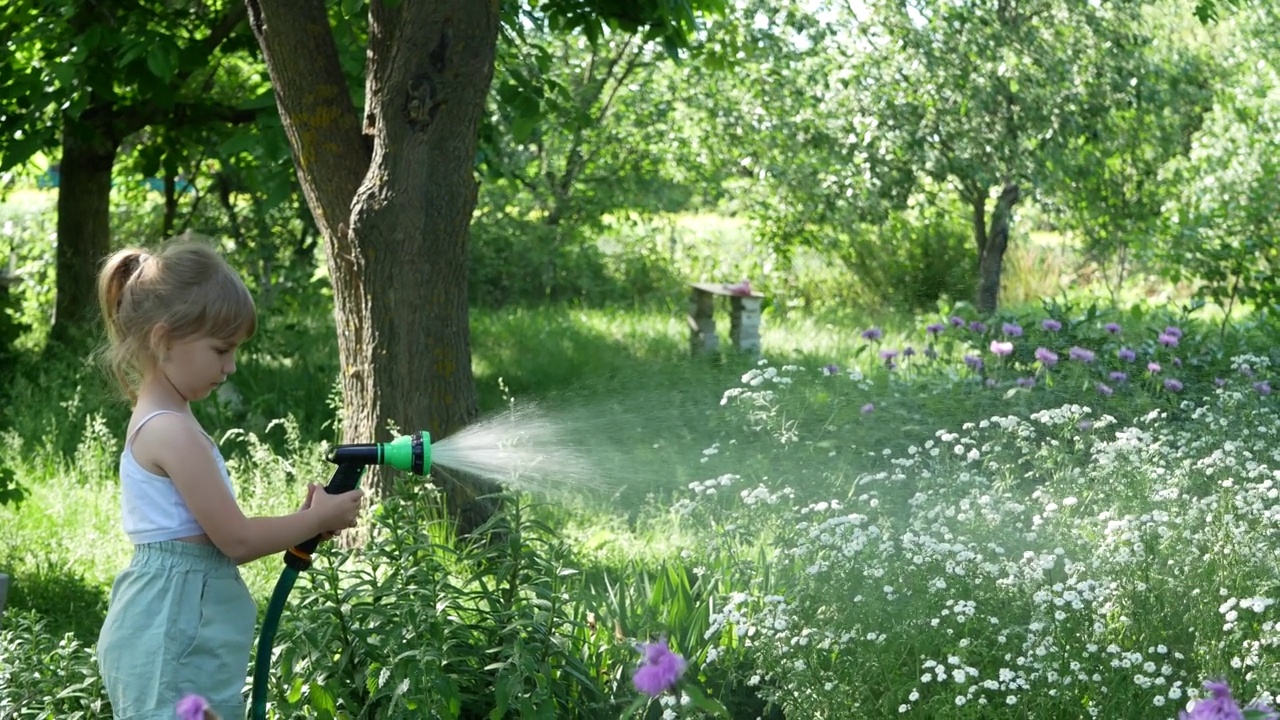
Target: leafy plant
[45,676]
[421,623]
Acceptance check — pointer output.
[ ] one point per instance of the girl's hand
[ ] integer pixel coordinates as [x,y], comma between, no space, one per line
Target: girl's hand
[312,488]
[335,511]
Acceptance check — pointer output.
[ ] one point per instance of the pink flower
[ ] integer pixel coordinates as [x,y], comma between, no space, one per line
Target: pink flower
[1001,348]
[660,670]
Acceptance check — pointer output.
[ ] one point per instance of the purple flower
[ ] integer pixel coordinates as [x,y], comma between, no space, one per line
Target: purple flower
[1047,357]
[1153,367]
[1177,362]
[978,326]
[1085,425]
[887,355]
[1001,348]
[1051,325]
[192,707]
[935,328]
[1112,328]
[1117,377]
[830,369]
[1262,388]
[973,361]
[930,353]
[1104,389]
[872,334]
[868,408]
[1172,385]
[908,351]
[1219,382]
[1081,354]
[1167,340]
[659,671]
[1126,354]
[956,321]
[1221,706]
[1011,329]
[1025,382]
[1172,331]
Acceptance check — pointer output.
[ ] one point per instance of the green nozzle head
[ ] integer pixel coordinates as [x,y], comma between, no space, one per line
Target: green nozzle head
[411,453]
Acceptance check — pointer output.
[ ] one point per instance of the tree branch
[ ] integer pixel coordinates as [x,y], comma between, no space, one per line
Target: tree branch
[207,46]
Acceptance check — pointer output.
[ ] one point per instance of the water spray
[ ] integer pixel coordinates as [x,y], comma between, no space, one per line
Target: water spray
[410,453]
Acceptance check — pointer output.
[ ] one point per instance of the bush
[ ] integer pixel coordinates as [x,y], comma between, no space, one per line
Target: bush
[421,624]
[515,262]
[44,676]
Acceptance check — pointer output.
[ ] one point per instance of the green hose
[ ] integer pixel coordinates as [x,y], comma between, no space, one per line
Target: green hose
[296,559]
[266,640]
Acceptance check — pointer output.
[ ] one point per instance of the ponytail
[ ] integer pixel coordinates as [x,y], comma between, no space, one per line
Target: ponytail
[113,284]
[112,281]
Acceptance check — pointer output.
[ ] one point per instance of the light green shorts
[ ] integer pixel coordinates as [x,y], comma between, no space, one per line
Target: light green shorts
[180,621]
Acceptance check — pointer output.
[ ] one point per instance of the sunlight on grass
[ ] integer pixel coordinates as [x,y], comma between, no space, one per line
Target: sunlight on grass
[65,518]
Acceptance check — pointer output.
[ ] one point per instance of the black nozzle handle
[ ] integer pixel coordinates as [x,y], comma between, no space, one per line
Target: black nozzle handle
[345,479]
[356,454]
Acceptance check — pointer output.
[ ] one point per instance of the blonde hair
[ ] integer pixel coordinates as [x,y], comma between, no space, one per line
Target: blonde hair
[186,287]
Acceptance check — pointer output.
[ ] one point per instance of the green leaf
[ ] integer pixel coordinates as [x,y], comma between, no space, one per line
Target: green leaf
[161,61]
[635,706]
[295,691]
[526,112]
[351,7]
[244,140]
[702,702]
[321,699]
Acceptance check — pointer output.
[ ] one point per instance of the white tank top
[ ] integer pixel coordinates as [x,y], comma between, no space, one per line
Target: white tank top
[151,506]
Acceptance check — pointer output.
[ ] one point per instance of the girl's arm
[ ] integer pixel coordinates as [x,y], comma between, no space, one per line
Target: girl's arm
[183,453]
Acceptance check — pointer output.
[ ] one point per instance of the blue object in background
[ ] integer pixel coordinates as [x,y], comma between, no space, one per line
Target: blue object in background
[53,176]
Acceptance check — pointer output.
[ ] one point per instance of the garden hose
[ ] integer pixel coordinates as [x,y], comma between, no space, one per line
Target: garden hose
[411,453]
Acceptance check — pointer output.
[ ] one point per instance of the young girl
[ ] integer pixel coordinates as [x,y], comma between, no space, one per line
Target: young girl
[180,618]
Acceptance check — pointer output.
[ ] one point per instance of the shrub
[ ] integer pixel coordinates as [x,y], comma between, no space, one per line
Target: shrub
[44,676]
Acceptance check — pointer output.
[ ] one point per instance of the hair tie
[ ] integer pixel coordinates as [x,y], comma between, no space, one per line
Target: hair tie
[137,267]
[132,273]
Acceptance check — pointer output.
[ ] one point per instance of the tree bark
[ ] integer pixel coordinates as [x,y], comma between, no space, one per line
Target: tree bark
[89,146]
[991,252]
[396,222]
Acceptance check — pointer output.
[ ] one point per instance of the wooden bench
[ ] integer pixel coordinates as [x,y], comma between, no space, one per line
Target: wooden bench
[744,318]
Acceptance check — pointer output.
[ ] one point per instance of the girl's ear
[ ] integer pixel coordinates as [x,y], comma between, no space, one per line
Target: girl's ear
[160,341]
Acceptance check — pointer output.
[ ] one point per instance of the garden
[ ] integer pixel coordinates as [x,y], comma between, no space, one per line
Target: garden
[1010,446]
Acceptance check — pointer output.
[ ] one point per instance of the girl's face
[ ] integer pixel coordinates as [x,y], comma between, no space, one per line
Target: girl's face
[195,366]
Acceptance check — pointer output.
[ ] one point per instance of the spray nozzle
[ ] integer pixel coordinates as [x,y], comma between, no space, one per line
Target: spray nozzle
[411,453]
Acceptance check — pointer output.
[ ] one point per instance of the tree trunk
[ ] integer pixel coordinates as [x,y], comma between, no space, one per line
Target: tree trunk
[89,148]
[396,225]
[991,249]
